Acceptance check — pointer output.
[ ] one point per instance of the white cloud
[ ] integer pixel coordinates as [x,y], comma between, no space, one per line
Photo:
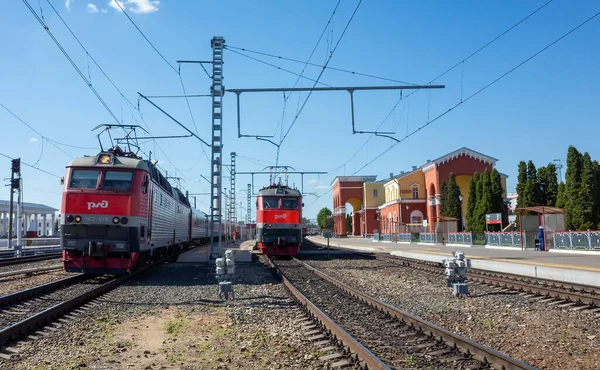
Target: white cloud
[113,4]
[322,187]
[313,181]
[136,6]
[33,140]
[68,4]
[143,6]
[92,8]
[104,10]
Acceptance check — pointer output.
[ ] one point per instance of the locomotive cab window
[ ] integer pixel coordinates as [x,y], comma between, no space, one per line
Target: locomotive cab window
[117,180]
[290,203]
[269,203]
[84,179]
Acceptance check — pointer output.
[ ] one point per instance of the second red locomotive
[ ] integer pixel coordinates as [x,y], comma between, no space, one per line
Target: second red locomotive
[279,220]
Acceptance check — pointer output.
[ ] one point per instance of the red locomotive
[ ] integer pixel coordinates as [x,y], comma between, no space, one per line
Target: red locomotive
[119,211]
[279,220]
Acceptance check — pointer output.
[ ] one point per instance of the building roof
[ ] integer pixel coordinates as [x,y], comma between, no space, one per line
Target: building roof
[27,207]
[370,178]
[457,153]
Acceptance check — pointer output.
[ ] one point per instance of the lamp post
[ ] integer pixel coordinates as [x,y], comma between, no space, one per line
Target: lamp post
[462,218]
[378,222]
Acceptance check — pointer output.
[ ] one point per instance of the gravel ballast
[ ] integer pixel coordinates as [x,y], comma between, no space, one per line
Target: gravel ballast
[541,335]
[15,283]
[170,318]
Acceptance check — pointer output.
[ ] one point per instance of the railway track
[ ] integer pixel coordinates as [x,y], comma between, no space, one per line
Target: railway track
[32,310]
[381,336]
[550,291]
[27,259]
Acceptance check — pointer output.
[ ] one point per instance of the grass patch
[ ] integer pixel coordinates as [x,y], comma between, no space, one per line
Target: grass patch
[176,327]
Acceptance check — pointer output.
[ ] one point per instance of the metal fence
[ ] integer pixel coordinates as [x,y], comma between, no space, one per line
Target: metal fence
[503,239]
[427,238]
[585,240]
[460,238]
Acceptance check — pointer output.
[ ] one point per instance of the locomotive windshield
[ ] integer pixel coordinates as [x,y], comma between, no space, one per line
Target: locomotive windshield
[84,179]
[117,180]
[290,203]
[269,203]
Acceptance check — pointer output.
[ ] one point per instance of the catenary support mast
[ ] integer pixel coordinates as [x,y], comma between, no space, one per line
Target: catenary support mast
[217,92]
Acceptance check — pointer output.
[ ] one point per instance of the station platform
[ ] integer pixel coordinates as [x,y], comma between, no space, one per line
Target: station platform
[201,254]
[573,268]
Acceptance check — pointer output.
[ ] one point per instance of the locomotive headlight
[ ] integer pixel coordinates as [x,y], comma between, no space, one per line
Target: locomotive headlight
[124,220]
[115,220]
[104,159]
[77,219]
[69,218]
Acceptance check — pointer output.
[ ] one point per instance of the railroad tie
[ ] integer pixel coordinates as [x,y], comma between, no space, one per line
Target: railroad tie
[340,364]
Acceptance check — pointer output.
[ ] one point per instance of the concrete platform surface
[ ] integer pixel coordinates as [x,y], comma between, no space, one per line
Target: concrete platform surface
[574,268]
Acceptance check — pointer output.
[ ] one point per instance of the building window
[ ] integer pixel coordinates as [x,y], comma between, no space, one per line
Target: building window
[375,193]
[416,217]
[415,192]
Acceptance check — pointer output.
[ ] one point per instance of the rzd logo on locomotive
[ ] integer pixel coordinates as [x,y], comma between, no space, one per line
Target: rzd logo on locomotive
[277,217]
[103,204]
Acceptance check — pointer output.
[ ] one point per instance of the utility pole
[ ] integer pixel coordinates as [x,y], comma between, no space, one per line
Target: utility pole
[232,205]
[217,91]
[559,166]
[249,205]
[15,184]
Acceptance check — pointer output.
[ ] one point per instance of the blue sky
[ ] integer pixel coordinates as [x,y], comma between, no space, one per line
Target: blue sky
[533,113]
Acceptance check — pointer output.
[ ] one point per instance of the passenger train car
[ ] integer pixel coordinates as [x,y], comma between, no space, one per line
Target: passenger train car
[119,211]
[279,220]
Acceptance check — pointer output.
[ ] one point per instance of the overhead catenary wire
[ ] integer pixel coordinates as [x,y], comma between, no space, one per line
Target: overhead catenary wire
[177,71]
[472,95]
[318,78]
[54,143]
[307,62]
[30,165]
[443,74]
[45,26]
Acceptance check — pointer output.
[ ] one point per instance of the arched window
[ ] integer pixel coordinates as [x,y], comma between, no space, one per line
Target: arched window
[416,217]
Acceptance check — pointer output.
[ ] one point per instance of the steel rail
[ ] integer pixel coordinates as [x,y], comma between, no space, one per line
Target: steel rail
[582,294]
[29,271]
[11,299]
[53,313]
[366,358]
[480,352]
[25,259]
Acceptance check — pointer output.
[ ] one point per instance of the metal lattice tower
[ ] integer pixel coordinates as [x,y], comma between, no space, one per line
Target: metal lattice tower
[217,91]
[232,208]
[249,205]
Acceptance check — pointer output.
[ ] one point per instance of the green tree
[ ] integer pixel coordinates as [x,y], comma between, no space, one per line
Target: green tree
[472,201]
[532,186]
[443,197]
[451,194]
[324,221]
[522,198]
[560,197]
[587,194]
[497,192]
[573,174]
[484,201]
[548,181]
[349,224]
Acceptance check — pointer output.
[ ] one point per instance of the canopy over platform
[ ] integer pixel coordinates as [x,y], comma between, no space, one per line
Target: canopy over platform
[543,210]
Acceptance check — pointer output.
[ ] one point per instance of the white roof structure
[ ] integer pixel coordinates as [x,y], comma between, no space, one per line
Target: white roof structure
[30,208]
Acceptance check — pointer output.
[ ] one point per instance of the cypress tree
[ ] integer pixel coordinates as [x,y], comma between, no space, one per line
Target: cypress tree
[497,192]
[532,186]
[521,181]
[444,198]
[484,201]
[548,185]
[587,194]
[560,197]
[572,188]
[472,201]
